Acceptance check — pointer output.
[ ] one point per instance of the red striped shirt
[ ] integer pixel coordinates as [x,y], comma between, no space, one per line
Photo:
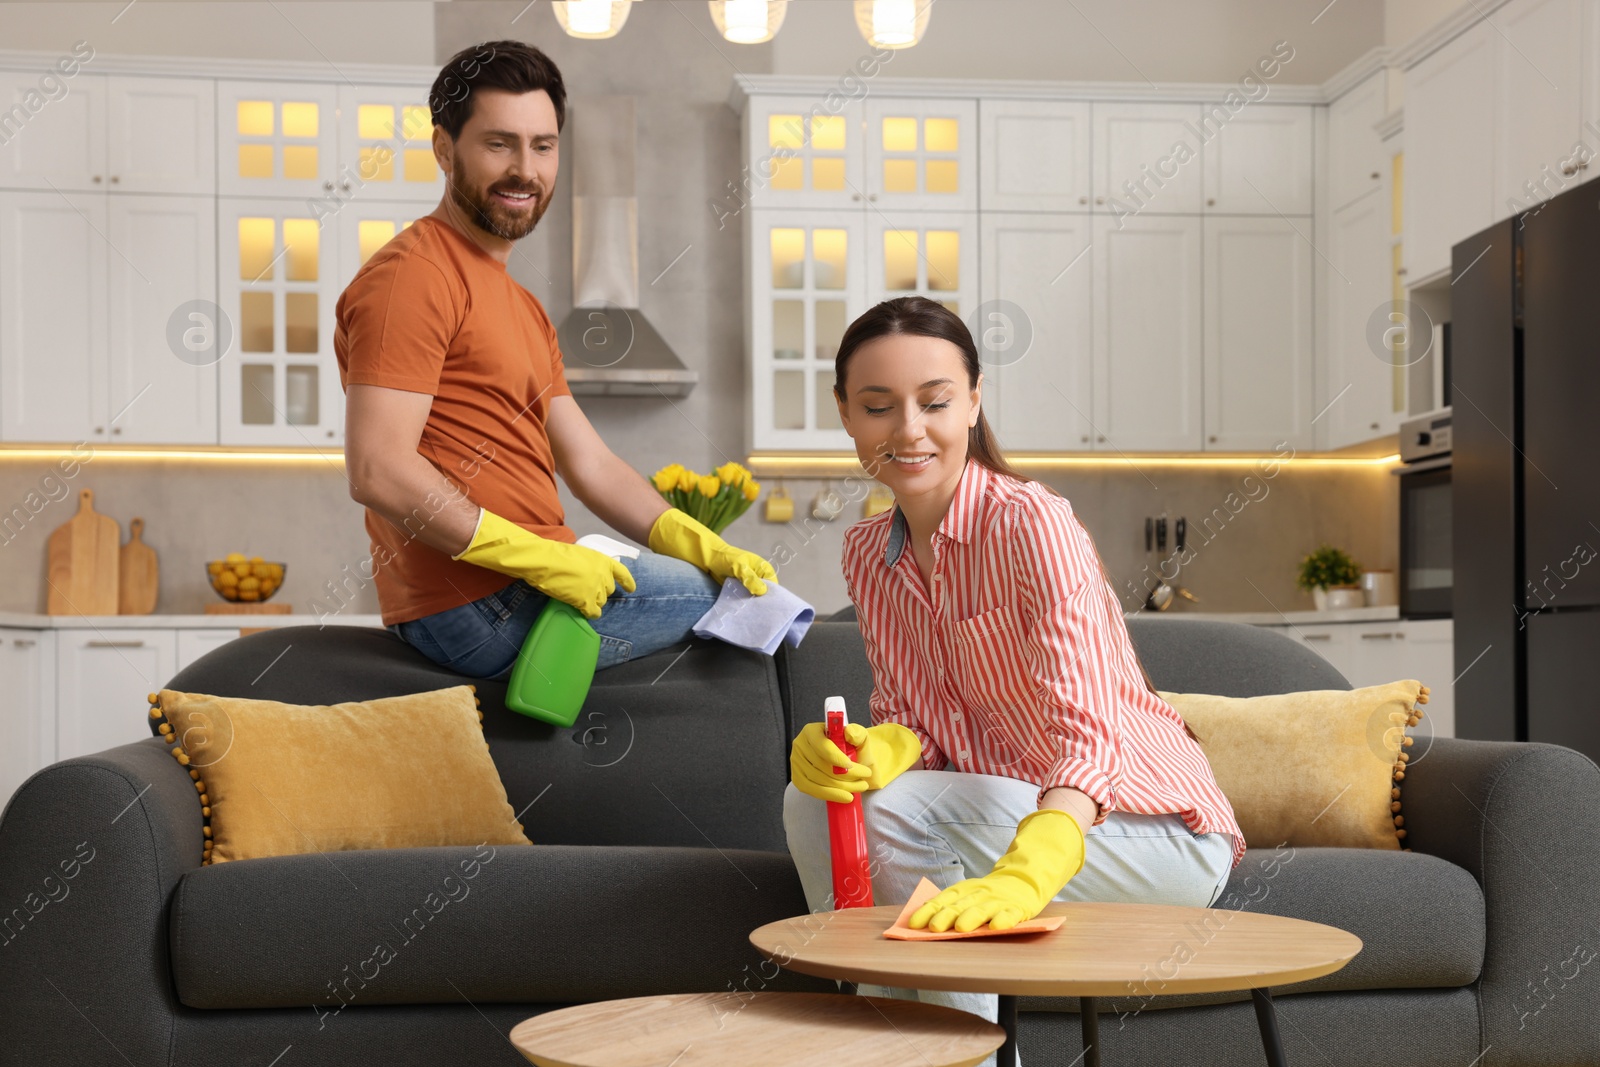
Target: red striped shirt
[1015,659]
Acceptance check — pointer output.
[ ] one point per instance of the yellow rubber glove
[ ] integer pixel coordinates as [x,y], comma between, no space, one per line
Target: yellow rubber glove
[1045,854]
[577,575]
[678,535]
[882,753]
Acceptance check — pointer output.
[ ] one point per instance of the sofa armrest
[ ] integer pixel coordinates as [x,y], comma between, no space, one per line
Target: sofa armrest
[90,852]
[1525,820]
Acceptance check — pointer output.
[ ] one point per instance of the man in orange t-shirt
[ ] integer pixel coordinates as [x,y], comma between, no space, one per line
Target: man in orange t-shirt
[458,417]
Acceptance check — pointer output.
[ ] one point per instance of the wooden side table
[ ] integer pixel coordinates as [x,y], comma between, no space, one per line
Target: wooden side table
[1101,950]
[771,1029]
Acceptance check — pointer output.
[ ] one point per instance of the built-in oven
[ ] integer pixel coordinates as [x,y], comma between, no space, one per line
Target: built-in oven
[1426,572]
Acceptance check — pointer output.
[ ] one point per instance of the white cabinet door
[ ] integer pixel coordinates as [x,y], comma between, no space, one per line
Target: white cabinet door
[163,351]
[799,155]
[192,644]
[278,271]
[1357,159]
[277,139]
[1539,93]
[1258,366]
[921,155]
[1147,333]
[103,682]
[1034,155]
[53,317]
[1423,649]
[1362,393]
[52,131]
[1147,159]
[162,135]
[1332,643]
[1035,331]
[923,253]
[1259,162]
[807,283]
[386,145]
[27,706]
[1450,150]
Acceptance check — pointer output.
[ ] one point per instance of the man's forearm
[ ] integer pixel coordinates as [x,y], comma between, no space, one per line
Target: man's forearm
[620,497]
[412,494]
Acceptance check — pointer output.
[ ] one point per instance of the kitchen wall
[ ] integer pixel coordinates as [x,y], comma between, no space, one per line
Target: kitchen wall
[668,56]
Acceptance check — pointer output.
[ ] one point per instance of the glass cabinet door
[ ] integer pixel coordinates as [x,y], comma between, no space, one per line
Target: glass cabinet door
[800,155]
[922,154]
[280,382]
[276,139]
[929,254]
[386,144]
[807,285]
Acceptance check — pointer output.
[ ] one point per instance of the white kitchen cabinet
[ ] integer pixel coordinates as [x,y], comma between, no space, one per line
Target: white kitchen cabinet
[931,254]
[1147,159]
[1034,155]
[277,139]
[1540,61]
[1147,333]
[53,384]
[1357,158]
[1258,341]
[921,154]
[807,283]
[162,340]
[1361,395]
[386,144]
[1424,649]
[192,644]
[1038,343]
[27,705]
[52,130]
[1258,162]
[799,154]
[1451,133]
[278,283]
[161,135]
[103,681]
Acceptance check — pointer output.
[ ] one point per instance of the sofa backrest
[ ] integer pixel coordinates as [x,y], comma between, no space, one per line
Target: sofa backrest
[681,748]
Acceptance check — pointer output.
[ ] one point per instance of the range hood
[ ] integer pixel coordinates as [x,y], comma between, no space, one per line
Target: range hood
[609,348]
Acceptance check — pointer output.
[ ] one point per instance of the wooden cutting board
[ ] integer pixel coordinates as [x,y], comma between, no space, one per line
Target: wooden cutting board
[82,568]
[137,574]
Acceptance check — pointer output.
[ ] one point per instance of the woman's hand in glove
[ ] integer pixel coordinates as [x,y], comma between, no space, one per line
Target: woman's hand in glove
[882,753]
[1045,854]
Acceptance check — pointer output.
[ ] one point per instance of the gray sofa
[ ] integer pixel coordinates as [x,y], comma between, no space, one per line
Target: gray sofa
[659,846]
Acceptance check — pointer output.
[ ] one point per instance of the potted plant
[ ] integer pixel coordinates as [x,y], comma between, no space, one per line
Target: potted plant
[1330,568]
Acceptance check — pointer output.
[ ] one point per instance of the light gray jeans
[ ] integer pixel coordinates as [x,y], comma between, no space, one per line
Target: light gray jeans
[950,825]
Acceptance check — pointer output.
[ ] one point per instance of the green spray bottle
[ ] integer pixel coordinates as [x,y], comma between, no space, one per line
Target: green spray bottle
[555,666]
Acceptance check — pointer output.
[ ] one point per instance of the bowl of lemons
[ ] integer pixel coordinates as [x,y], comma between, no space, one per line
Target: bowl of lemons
[241,578]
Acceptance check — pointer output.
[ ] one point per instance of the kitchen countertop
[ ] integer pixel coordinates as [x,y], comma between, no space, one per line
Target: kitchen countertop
[23,621]
[1388,613]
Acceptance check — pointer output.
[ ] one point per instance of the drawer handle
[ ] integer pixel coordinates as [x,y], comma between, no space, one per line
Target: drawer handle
[116,644]
[1317,637]
[1384,637]
[23,642]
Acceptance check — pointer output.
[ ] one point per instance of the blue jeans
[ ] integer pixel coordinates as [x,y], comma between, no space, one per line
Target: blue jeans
[482,639]
[950,825]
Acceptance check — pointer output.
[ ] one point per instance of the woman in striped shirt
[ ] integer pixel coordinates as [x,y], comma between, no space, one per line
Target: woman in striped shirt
[1019,753]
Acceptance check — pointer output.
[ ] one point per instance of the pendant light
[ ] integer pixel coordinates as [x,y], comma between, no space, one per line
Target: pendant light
[591,20]
[748,21]
[893,23]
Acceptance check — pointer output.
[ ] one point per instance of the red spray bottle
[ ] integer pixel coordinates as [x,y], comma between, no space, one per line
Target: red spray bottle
[847,828]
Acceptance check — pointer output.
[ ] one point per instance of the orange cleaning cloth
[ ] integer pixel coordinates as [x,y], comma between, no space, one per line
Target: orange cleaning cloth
[926,891]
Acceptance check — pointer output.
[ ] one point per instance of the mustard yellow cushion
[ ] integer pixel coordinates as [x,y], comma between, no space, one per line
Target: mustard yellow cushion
[1313,768]
[279,779]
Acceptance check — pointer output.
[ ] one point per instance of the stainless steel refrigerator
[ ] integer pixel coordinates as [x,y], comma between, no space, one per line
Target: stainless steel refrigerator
[1525,314]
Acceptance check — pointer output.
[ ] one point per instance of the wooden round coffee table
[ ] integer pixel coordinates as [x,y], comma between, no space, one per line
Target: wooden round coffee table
[1101,950]
[771,1029]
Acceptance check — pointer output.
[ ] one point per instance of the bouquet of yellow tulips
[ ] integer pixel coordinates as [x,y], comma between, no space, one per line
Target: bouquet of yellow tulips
[714,499]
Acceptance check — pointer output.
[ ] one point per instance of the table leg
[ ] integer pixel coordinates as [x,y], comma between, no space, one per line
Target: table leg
[1267,1019]
[1091,1031]
[1006,1055]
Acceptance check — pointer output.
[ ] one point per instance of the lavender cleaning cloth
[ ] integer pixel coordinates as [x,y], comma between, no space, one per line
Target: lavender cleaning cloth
[760,623]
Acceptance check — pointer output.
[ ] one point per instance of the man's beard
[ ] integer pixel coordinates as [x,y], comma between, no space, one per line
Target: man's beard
[490,215]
